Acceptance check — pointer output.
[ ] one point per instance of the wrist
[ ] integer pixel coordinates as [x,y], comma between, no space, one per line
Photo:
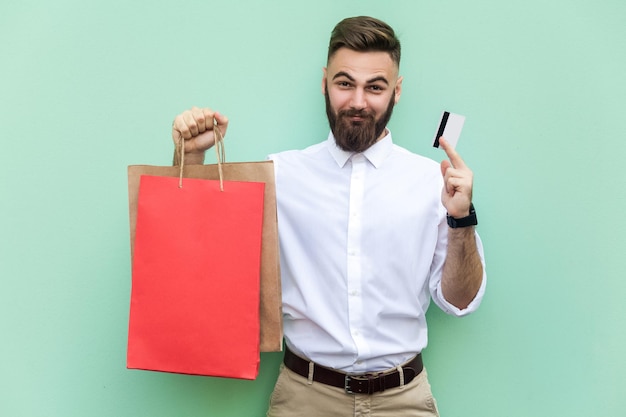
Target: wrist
[466,221]
[191,158]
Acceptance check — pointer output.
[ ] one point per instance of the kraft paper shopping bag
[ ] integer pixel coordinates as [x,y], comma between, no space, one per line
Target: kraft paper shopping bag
[263,171]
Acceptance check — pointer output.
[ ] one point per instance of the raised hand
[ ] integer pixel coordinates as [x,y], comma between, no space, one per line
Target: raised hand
[458,179]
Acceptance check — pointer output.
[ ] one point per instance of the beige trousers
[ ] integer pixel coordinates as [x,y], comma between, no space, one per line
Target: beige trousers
[294,396]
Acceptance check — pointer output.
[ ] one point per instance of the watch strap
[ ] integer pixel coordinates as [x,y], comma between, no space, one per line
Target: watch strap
[467,221]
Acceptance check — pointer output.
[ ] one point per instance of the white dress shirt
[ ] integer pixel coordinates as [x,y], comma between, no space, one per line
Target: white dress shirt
[363,239]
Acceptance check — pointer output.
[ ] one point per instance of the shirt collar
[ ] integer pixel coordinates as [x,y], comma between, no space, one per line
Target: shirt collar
[376,153]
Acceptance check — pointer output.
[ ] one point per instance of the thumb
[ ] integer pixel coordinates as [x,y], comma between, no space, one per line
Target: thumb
[222,122]
[445,164]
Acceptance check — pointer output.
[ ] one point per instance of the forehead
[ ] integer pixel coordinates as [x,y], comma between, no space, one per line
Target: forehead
[362,64]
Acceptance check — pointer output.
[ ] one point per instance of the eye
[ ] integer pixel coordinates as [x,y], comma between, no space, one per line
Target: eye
[376,88]
[344,84]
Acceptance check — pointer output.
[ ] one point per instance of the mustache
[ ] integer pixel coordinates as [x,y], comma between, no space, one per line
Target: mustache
[356,113]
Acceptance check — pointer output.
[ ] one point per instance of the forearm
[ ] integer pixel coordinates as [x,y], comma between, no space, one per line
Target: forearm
[463,269]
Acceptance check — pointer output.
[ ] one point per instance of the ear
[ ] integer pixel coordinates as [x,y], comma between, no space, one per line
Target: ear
[398,89]
[324,78]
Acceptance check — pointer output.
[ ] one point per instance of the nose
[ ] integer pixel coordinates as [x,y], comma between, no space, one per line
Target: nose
[357,101]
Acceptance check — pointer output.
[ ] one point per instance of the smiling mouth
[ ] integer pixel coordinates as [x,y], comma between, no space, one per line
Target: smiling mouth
[355,117]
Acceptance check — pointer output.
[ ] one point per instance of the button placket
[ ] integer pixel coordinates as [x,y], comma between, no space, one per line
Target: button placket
[354,272]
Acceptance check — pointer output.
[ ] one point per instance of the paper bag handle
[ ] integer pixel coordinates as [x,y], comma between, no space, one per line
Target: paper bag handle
[220,152]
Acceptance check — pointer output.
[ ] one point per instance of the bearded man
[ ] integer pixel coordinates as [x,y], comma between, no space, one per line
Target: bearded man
[369,234]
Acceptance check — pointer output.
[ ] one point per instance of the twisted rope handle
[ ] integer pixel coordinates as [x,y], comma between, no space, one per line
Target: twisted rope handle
[181,156]
[220,152]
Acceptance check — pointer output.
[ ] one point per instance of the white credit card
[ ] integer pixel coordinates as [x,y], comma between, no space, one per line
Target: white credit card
[450,128]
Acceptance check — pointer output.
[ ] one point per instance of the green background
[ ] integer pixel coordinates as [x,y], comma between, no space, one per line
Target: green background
[89,87]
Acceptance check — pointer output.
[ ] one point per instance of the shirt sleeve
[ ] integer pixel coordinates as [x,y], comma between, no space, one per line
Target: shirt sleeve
[437,272]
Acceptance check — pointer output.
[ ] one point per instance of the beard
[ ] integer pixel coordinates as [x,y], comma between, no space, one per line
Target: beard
[357,136]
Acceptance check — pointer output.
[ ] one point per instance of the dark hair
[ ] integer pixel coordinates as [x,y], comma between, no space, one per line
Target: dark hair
[364,34]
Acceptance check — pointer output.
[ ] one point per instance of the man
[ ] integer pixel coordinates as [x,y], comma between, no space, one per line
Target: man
[365,241]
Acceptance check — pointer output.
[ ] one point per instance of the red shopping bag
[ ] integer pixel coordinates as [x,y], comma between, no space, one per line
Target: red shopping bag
[195,277]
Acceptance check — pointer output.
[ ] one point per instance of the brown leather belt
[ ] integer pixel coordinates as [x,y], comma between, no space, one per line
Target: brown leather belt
[355,384]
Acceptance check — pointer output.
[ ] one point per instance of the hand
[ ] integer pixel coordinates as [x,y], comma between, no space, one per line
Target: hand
[458,179]
[196,127]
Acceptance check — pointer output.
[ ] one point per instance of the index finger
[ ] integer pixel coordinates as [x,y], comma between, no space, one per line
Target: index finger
[453,155]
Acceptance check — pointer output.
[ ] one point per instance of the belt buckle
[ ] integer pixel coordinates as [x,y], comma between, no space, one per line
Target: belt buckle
[360,379]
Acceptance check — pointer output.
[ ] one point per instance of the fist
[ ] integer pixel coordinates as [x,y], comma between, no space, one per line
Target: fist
[197,128]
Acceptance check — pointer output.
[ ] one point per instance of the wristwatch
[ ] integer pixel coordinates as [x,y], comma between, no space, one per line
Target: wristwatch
[470,220]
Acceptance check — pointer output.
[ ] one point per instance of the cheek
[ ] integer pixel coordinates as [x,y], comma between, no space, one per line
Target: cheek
[382,103]
[339,100]
[378,106]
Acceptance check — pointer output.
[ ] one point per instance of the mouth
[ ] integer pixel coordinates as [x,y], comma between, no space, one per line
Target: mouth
[356,118]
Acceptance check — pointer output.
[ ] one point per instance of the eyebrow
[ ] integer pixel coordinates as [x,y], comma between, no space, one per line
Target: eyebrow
[351,78]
